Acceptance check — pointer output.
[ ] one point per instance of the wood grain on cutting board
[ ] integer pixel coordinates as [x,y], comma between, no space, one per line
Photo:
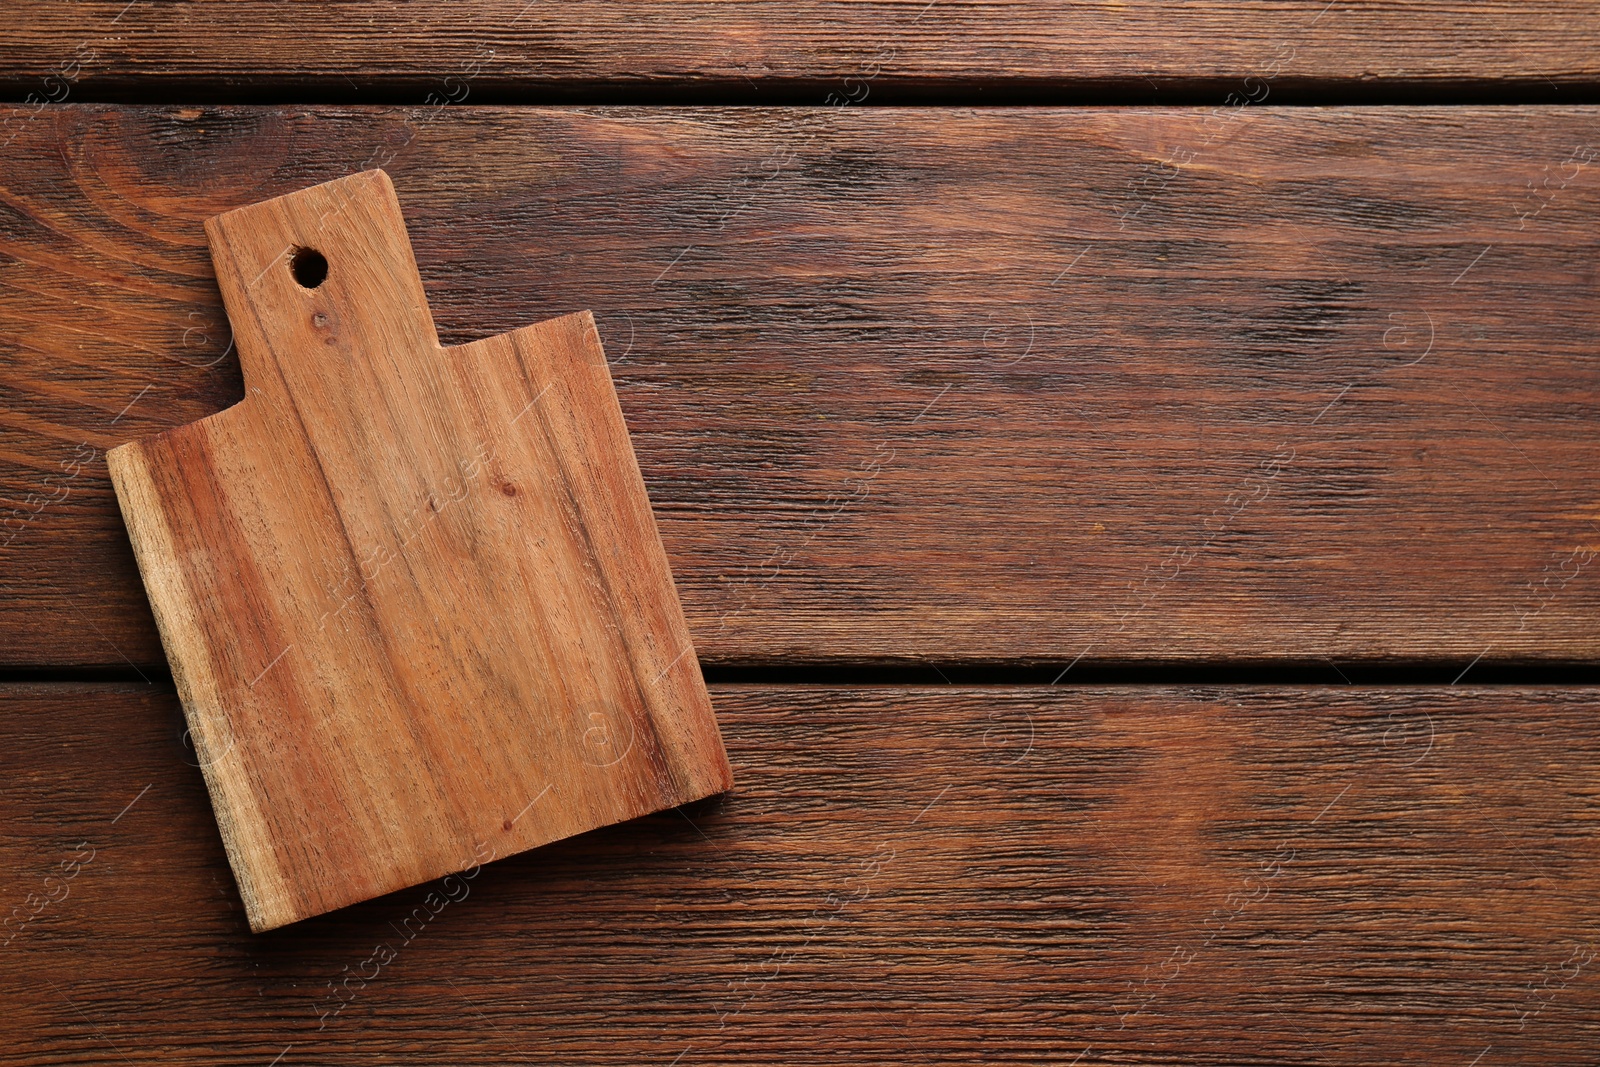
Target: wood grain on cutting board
[413,597]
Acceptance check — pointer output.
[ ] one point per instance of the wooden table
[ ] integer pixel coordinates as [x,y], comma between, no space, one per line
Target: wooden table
[1141,539]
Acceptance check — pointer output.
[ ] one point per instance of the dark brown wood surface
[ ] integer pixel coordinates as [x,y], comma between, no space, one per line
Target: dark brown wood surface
[268,47]
[1236,385]
[1117,875]
[1238,391]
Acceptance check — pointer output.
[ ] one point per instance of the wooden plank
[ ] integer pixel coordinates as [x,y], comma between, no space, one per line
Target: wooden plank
[1001,385]
[1161,876]
[843,51]
[413,597]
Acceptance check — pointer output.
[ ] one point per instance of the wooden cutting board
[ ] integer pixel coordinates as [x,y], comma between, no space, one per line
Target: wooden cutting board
[414,599]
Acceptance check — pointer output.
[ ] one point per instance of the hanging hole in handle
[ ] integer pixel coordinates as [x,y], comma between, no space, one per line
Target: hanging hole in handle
[309,267]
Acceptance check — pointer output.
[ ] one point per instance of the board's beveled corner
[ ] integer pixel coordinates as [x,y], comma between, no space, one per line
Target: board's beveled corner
[722,781]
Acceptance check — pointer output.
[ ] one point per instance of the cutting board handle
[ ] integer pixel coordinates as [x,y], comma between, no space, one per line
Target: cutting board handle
[318,279]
